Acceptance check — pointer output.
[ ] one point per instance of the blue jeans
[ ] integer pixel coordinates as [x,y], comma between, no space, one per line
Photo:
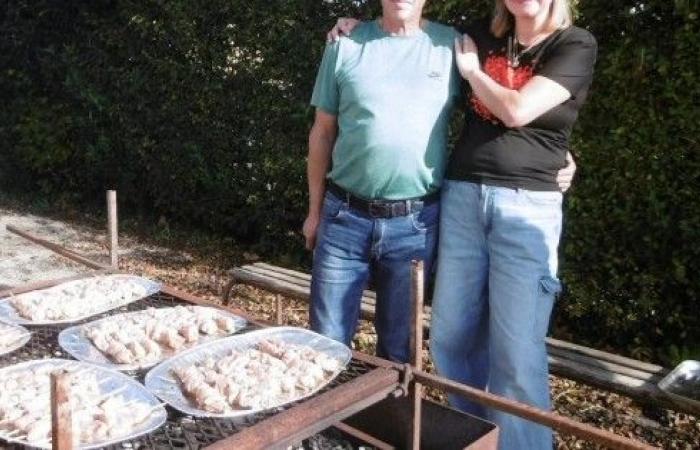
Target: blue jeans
[351,246]
[495,288]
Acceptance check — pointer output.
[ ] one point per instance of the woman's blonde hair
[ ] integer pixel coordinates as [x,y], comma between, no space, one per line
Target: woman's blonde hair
[560,16]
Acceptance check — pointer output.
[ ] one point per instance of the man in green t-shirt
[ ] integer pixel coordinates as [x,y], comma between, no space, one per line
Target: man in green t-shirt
[383,99]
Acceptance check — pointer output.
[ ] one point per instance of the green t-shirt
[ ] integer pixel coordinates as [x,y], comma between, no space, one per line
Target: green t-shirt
[393,97]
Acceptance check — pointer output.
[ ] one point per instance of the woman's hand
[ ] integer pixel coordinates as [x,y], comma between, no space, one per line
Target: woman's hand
[566,175]
[343,27]
[466,55]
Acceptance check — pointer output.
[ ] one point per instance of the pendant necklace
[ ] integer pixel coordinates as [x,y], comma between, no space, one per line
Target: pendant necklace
[514,53]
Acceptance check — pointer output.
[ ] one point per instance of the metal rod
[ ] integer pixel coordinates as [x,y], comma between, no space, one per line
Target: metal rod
[278,310]
[58,249]
[182,295]
[112,228]
[550,419]
[314,415]
[364,437]
[61,417]
[103,269]
[36,285]
[416,390]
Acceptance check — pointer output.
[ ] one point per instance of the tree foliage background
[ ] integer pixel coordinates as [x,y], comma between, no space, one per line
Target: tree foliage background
[198,111]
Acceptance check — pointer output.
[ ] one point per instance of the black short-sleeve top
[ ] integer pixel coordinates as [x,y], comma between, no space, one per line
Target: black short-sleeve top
[530,156]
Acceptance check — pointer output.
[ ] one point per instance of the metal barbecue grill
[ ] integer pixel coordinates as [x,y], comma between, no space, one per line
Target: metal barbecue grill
[180,431]
[373,401]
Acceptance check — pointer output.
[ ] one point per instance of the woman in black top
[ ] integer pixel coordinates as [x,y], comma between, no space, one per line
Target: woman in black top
[527,72]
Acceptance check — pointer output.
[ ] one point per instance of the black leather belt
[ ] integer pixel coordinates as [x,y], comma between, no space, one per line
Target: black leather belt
[383,209]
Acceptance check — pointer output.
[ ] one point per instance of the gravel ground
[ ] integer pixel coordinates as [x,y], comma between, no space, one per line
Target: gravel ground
[21,262]
[200,269]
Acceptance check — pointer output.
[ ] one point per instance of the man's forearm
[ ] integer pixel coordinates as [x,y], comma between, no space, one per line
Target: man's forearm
[320,148]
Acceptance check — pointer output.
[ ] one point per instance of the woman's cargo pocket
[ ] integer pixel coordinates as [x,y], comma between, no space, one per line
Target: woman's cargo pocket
[548,290]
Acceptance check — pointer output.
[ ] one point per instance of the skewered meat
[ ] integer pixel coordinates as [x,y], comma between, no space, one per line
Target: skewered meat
[226,324]
[270,374]
[78,298]
[208,326]
[25,408]
[190,332]
[149,336]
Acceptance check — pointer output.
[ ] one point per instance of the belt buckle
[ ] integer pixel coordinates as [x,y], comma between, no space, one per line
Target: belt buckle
[377,209]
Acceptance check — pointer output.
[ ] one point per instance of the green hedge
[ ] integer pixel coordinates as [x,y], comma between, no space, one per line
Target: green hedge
[198,111]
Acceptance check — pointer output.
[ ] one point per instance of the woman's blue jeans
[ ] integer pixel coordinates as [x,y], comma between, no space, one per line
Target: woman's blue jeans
[495,288]
[351,245]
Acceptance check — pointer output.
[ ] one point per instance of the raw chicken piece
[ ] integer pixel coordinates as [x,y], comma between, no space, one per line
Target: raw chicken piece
[271,374]
[226,324]
[208,326]
[124,357]
[78,298]
[137,350]
[189,332]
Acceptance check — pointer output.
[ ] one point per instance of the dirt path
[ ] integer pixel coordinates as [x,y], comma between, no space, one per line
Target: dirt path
[22,261]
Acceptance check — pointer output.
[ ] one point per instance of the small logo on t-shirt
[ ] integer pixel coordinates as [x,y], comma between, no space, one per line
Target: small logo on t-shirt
[435,75]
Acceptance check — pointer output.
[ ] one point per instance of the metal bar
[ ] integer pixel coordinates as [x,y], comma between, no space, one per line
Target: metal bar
[182,295]
[314,415]
[36,285]
[169,290]
[278,310]
[61,417]
[364,437]
[112,228]
[58,249]
[417,296]
[550,419]
[104,269]
[416,390]
[376,361]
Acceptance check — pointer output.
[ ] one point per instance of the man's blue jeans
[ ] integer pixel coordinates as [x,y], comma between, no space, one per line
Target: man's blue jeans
[495,287]
[351,245]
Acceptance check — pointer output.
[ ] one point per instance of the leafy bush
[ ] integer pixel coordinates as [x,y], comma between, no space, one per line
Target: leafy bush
[198,111]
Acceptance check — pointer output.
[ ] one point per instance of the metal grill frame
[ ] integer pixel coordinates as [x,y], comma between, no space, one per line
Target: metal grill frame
[335,403]
[359,386]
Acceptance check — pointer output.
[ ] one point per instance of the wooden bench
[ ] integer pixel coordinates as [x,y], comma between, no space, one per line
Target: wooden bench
[635,379]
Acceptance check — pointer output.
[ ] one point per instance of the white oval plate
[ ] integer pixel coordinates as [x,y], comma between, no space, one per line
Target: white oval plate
[9,314]
[79,346]
[162,382]
[110,381]
[22,338]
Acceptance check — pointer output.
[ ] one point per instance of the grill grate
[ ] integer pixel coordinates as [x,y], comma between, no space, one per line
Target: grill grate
[180,431]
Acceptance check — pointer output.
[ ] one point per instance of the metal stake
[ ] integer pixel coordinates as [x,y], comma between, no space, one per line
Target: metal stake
[112,228]
[61,417]
[279,319]
[416,390]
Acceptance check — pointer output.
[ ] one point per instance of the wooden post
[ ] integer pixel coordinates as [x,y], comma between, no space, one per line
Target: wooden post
[112,228]
[279,319]
[417,294]
[61,418]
